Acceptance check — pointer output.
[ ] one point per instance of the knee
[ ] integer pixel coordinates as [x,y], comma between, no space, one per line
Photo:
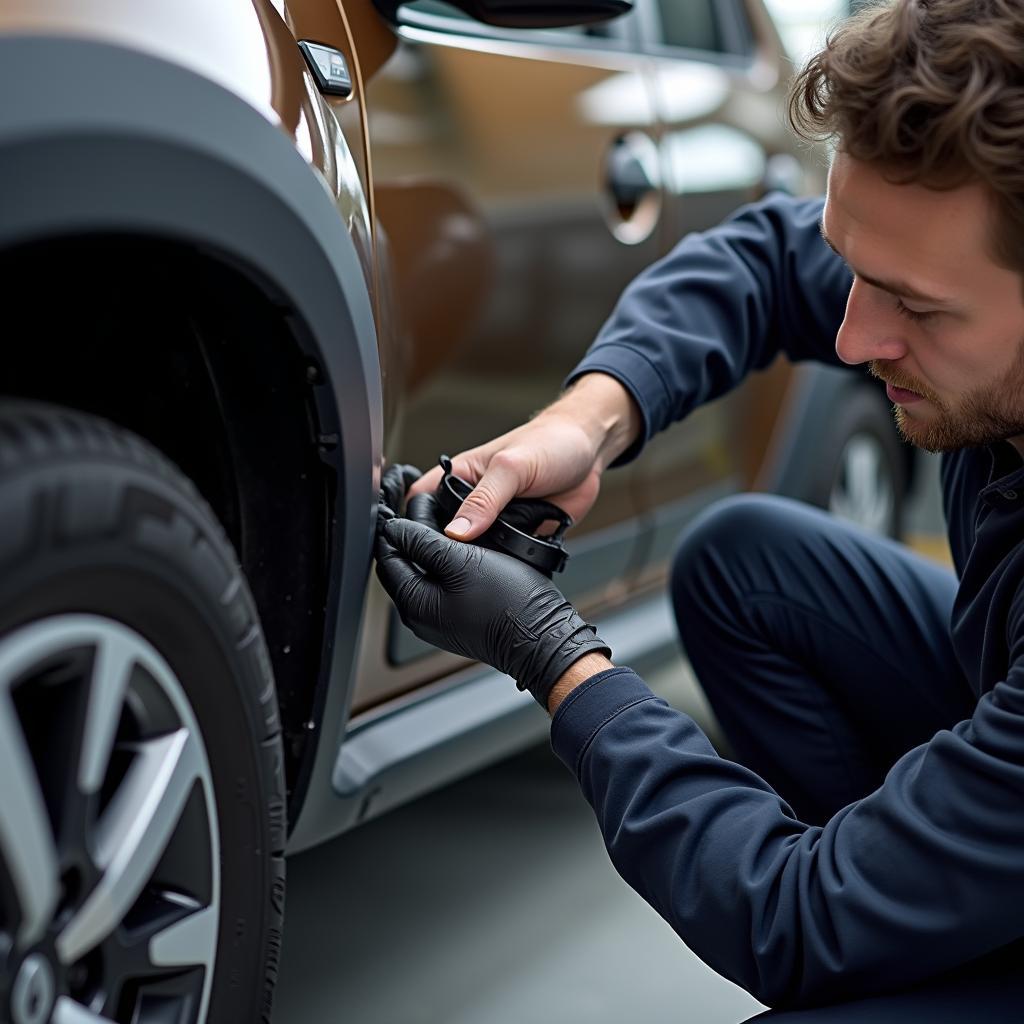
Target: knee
[718,553]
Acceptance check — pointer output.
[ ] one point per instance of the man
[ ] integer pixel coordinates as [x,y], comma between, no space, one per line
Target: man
[874,834]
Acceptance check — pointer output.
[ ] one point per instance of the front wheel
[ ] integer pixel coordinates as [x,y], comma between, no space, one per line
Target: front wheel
[141,771]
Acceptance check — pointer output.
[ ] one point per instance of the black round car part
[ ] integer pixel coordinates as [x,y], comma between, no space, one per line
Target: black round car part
[514,531]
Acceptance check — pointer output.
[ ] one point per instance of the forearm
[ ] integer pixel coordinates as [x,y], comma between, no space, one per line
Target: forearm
[724,302]
[606,411]
[917,877]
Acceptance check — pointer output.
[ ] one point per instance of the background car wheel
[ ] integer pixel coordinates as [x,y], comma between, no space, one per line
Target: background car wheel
[863,469]
[142,807]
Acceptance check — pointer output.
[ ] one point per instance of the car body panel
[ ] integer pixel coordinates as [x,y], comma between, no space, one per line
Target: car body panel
[244,46]
[499,244]
[225,42]
[340,120]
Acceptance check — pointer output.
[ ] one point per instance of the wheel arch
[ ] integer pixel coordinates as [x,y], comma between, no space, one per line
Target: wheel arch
[105,144]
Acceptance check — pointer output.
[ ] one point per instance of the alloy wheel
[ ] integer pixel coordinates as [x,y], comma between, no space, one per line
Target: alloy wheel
[109,858]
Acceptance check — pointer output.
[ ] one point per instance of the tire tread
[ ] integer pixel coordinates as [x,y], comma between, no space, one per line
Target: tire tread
[37,437]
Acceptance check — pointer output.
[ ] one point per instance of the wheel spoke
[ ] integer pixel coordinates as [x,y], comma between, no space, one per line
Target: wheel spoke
[26,837]
[863,492]
[188,942]
[132,835]
[67,1011]
[862,470]
[115,656]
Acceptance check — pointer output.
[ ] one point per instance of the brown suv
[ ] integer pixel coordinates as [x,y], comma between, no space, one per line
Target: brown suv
[250,250]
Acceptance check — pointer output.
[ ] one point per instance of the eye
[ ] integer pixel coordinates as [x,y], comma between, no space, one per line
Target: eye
[913,314]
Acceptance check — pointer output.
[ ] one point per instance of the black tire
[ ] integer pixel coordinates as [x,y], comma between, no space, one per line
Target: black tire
[94,522]
[862,418]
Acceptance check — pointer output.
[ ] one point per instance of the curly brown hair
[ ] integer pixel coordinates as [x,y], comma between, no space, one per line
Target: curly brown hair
[931,92]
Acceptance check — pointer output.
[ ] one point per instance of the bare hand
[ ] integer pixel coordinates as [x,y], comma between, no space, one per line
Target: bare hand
[559,456]
[550,457]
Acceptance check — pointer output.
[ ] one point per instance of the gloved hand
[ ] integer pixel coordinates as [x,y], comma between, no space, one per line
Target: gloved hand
[482,604]
[394,483]
[524,514]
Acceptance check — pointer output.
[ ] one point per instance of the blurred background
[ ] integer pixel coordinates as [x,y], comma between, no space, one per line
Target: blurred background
[803,23]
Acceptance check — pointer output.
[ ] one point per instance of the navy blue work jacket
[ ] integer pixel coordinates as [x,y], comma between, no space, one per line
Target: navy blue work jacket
[923,874]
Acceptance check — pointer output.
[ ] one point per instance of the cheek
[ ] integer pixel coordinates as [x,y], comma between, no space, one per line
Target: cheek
[945,367]
[960,359]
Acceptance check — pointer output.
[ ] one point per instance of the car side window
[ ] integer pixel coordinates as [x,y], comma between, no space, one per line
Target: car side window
[707,26]
[691,25]
[435,8]
[440,16]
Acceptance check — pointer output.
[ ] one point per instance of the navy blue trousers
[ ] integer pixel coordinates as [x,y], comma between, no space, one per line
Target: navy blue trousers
[823,650]
[825,654]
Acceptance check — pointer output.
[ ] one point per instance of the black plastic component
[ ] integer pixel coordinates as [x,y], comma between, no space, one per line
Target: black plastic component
[329,68]
[514,532]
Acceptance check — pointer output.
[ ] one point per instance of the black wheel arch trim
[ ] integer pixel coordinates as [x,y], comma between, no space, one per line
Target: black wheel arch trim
[107,139]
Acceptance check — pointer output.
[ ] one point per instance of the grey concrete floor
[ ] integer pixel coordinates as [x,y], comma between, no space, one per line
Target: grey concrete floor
[494,902]
[490,902]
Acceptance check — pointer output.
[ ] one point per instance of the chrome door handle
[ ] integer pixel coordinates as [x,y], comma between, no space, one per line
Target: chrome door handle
[628,176]
[632,187]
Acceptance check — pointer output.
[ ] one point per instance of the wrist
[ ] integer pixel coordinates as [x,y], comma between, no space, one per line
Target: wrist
[576,675]
[605,410]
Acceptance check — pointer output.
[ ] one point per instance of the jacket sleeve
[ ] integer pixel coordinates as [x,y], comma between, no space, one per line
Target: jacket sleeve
[923,874]
[722,303]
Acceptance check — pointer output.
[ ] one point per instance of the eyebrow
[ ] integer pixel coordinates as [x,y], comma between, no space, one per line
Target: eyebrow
[899,288]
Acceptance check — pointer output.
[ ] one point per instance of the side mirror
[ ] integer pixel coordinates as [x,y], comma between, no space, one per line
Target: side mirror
[528,13]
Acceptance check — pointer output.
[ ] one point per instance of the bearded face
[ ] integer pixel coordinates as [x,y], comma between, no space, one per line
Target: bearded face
[983,414]
[930,312]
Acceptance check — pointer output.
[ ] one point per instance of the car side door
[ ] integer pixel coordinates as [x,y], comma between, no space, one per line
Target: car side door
[517,190]
[720,74]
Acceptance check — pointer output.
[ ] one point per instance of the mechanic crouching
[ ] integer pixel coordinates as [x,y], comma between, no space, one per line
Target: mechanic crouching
[871,832]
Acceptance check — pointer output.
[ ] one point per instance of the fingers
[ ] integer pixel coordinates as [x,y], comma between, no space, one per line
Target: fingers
[424,508]
[426,547]
[468,465]
[504,478]
[393,571]
[395,482]
[427,484]
[578,500]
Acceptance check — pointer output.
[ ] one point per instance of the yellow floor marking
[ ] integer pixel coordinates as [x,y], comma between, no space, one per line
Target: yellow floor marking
[931,545]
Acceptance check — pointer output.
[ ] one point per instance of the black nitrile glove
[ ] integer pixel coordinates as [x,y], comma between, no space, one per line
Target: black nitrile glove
[395,483]
[482,604]
[426,509]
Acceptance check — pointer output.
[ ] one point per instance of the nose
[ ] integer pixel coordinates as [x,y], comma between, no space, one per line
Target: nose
[870,330]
